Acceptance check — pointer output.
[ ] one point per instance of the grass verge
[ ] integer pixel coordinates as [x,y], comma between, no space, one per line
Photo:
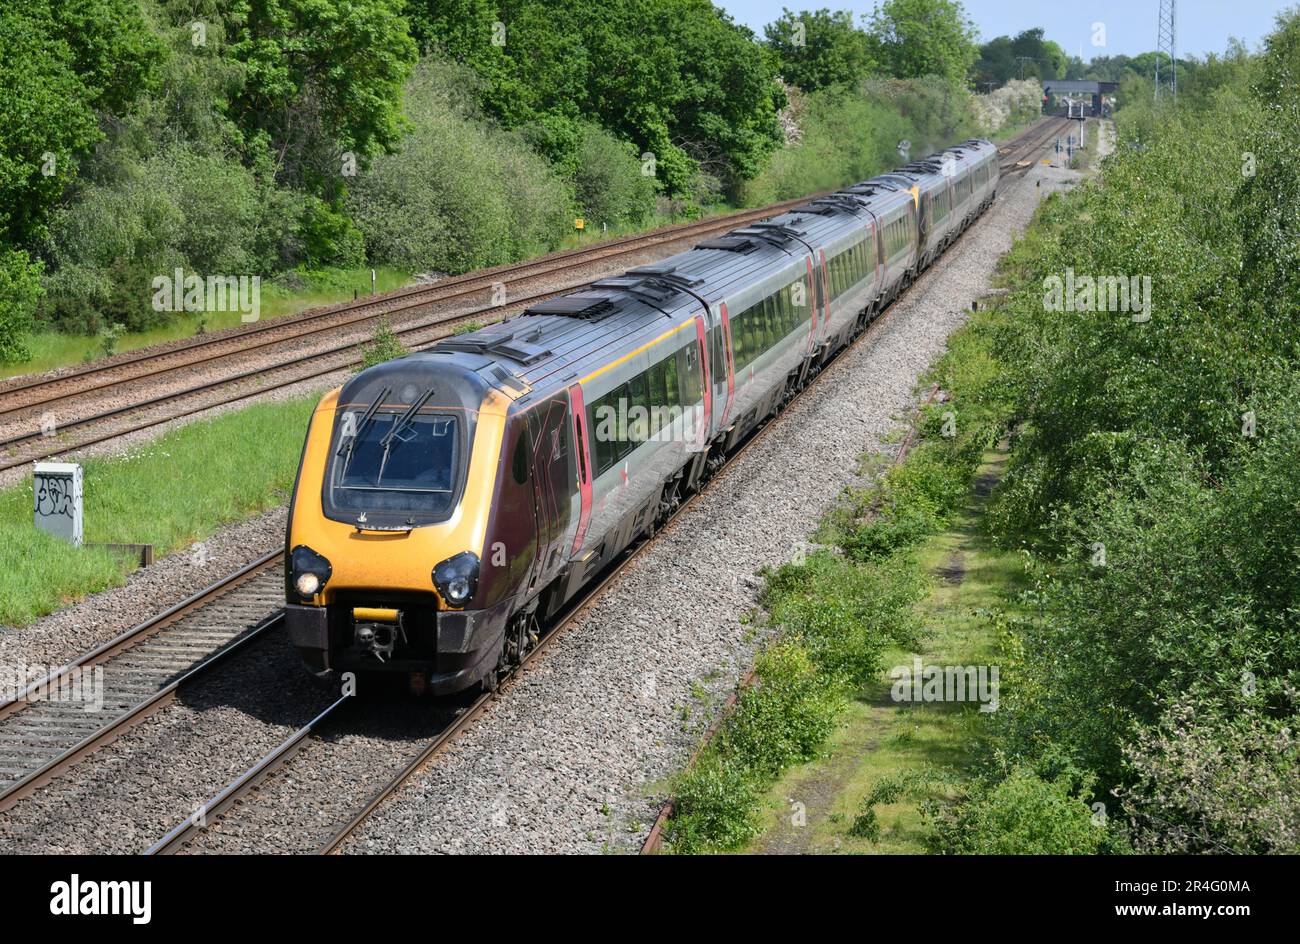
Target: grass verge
[845,611]
[170,493]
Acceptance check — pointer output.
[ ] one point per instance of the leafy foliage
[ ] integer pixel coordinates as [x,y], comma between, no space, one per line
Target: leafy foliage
[909,39]
[691,86]
[852,135]
[1024,814]
[1026,55]
[319,75]
[20,288]
[384,345]
[1154,484]
[461,193]
[818,49]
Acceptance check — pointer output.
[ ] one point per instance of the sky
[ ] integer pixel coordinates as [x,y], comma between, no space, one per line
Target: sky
[1130,25]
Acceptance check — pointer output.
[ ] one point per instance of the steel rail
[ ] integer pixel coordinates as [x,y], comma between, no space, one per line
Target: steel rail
[119,723]
[410,298]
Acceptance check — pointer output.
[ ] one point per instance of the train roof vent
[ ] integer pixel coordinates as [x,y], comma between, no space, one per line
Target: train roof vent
[521,346]
[872,187]
[578,305]
[833,203]
[748,238]
[517,349]
[654,284]
[729,243]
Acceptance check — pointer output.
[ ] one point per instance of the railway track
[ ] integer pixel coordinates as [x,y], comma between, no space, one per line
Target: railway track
[1019,154]
[47,728]
[31,408]
[188,833]
[42,417]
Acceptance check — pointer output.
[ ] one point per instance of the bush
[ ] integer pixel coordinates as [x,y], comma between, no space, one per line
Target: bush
[20,289]
[1205,781]
[608,182]
[328,237]
[844,613]
[180,208]
[1023,814]
[459,194]
[849,135]
[785,716]
[384,346]
[716,808]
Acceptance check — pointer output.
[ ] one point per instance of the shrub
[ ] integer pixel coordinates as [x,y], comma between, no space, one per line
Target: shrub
[716,808]
[850,135]
[384,346]
[459,194]
[608,183]
[785,716]
[20,289]
[844,613]
[1205,780]
[179,208]
[1023,814]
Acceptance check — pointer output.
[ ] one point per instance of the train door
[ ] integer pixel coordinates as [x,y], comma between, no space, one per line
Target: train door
[582,454]
[722,365]
[705,384]
[552,454]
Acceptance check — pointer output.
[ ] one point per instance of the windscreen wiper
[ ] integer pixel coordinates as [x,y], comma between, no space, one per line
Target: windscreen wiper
[402,421]
[365,421]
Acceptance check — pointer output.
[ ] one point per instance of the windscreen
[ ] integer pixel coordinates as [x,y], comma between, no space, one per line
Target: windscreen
[394,465]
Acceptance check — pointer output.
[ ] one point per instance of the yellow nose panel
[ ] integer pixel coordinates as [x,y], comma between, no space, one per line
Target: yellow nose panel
[370,614]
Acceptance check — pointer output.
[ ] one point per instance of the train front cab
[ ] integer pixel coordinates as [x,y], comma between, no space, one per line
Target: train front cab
[386,536]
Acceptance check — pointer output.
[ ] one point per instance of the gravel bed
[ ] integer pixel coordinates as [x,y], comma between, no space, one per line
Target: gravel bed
[126,796]
[302,805]
[573,760]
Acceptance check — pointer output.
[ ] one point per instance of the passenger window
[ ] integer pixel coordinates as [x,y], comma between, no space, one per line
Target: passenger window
[603,432]
[672,388]
[638,422]
[718,356]
[519,468]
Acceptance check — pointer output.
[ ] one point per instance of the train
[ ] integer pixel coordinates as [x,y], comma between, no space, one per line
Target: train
[450,502]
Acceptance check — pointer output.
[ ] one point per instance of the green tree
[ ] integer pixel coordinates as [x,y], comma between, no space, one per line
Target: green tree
[818,49]
[677,78]
[20,289]
[1027,55]
[321,77]
[911,38]
[114,52]
[60,61]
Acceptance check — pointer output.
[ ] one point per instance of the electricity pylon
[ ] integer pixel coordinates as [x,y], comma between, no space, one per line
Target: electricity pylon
[1167,46]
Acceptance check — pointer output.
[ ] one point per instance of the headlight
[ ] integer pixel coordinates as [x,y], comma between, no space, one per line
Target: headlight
[457,578]
[308,570]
